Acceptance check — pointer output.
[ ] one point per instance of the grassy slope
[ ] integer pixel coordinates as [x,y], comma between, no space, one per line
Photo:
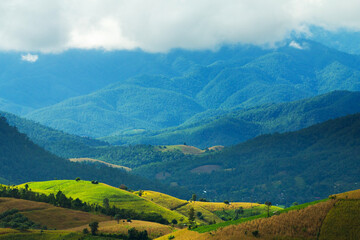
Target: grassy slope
[164,200]
[180,206]
[209,210]
[98,161]
[305,221]
[95,193]
[154,229]
[48,215]
[185,149]
[343,220]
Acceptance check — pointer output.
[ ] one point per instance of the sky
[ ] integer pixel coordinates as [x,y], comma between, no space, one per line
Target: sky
[160,25]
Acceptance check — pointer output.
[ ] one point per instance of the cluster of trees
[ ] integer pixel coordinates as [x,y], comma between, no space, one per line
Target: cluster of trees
[13,219]
[133,234]
[59,199]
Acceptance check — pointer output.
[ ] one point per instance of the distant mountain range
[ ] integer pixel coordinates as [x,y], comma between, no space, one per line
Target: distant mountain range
[233,126]
[238,77]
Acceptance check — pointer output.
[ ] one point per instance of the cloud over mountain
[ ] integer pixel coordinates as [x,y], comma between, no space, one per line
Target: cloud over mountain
[159,25]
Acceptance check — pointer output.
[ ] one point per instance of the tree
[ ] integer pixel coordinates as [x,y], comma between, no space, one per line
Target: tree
[193,198]
[268,205]
[226,202]
[106,203]
[117,217]
[174,221]
[77,179]
[94,227]
[123,187]
[238,212]
[191,215]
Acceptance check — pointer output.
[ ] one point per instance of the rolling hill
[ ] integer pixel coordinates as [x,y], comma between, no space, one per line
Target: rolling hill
[291,167]
[326,219]
[42,213]
[96,193]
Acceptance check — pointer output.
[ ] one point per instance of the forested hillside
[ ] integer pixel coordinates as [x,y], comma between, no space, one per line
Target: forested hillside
[204,130]
[23,161]
[297,166]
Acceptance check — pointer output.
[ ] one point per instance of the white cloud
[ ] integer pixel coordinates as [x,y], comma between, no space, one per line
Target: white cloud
[295,45]
[29,58]
[159,25]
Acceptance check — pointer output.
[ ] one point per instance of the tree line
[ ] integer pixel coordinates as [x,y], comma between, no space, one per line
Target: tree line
[61,200]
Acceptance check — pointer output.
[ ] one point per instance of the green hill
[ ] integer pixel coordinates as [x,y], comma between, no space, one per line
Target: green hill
[284,168]
[96,193]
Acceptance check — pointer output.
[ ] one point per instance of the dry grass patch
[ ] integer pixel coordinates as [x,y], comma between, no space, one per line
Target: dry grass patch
[185,234]
[297,224]
[218,206]
[154,229]
[164,200]
[185,149]
[21,205]
[99,161]
[349,195]
[48,215]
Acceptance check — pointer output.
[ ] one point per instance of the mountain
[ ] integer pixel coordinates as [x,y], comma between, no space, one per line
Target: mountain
[234,80]
[12,107]
[218,128]
[23,161]
[296,166]
[57,142]
[57,77]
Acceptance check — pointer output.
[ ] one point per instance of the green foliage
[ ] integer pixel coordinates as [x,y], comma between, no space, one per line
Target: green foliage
[94,227]
[13,219]
[193,197]
[230,127]
[282,168]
